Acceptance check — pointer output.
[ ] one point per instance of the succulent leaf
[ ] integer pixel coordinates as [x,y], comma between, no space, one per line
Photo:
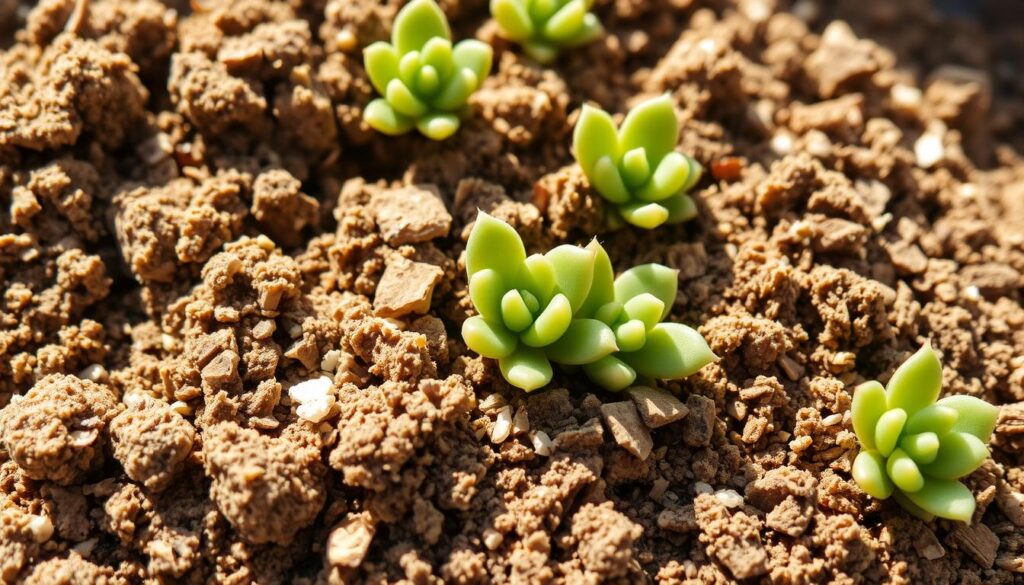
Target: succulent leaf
[437,53]
[681,207]
[496,245]
[917,382]
[594,138]
[602,287]
[527,368]
[975,416]
[959,454]
[635,168]
[381,65]
[551,324]
[403,100]
[646,309]
[655,279]
[870,473]
[652,125]
[417,23]
[514,312]
[486,288]
[488,339]
[672,351]
[631,335]
[944,498]
[936,418]
[608,181]
[868,406]
[513,19]
[477,56]
[454,95]
[645,215]
[668,179]
[545,26]
[904,472]
[574,272]
[611,373]
[584,342]
[383,118]
[537,275]
[922,447]
[888,429]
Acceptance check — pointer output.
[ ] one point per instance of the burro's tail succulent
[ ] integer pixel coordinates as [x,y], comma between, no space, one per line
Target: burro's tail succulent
[636,168]
[915,448]
[528,306]
[544,27]
[423,79]
[634,306]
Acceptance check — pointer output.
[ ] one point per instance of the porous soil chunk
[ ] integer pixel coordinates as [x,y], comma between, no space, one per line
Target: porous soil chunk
[734,539]
[410,214]
[57,430]
[151,441]
[267,487]
[280,206]
[606,539]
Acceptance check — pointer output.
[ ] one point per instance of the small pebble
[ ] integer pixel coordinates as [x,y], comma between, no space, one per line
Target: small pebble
[702,488]
[542,443]
[94,372]
[928,150]
[502,426]
[492,538]
[41,528]
[729,498]
[520,422]
[832,419]
[314,397]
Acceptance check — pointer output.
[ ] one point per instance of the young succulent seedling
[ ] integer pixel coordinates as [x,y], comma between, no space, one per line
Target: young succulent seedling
[528,306]
[915,448]
[423,79]
[636,167]
[544,27]
[634,306]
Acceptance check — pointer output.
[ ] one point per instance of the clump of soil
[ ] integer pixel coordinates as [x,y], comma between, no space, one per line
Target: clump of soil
[194,219]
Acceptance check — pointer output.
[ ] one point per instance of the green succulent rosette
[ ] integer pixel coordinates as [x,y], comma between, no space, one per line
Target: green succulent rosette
[914,447]
[528,307]
[634,306]
[636,167]
[545,27]
[425,81]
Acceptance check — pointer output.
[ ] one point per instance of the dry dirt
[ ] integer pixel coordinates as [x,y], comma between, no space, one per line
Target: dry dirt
[193,219]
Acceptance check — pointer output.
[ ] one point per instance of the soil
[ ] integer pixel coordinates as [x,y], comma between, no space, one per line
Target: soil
[194,219]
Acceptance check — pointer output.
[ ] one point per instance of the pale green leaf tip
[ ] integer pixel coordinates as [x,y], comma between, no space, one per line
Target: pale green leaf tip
[542,36]
[927,474]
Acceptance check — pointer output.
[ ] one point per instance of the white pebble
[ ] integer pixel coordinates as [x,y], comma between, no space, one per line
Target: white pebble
[502,426]
[520,422]
[782,144]
[41,528]
[329,363]
[928,150]
[729,498]
[972,292]
[541,443]
[83,438]
[314,397]
[832,419]
[492,538]
[906,97]
[94,373]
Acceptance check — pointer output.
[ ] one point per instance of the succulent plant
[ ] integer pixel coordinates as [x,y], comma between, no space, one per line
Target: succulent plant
[423,79]
[528,306]
[544,27]
[634,306]
[915,448]
[636,167]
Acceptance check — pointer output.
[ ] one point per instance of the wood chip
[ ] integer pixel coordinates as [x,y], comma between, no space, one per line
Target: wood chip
[978,541]
[657,407]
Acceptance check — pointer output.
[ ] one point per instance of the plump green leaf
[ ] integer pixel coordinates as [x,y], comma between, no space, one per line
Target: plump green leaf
[610,373]
[653,126]
[417,23]
[541,52]
[551,324]
[903,471]
[911,507]
[870,474]
[645,308]
[959,454]
[936,418]
[609,312]
[606,178]
[590,30]
[868,406]
[694,174]
[476,56]
[680,208]
[602,287]
[383,118]
[668,179]
[541,10]
[631,335]
[888,429]
[408,66]
[574,272]
[585,342]
[496,245]
[594,138]
[567,22]
[438,126]
[944,498]
[635,170]
[916,383]
[427,81]
[922,447]
[486,288]
[537,275]
[656,279]
[513,19]
[527,368]
[975,416]
[514,312]
[403,100]
[438,54]
[381,61]
[453,96]
[644,215]
[488,339]
[672,351]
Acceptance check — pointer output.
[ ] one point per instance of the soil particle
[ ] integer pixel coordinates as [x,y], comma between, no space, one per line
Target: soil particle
[406,287]
[151,441]
[700,420]
[217,104]
[657,407]
[409,215]
[57,430]
[281,208]
[978,541]
[268,488]
[605,539]
[733,539]
[627,428]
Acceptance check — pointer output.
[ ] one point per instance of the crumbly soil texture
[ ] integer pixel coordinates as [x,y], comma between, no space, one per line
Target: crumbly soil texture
[194,219]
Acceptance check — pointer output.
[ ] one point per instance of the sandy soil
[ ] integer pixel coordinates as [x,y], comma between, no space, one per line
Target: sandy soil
[194,219]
